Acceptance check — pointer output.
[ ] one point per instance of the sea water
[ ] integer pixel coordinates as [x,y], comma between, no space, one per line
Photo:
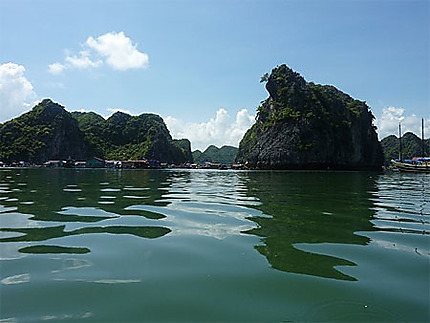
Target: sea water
[209,245]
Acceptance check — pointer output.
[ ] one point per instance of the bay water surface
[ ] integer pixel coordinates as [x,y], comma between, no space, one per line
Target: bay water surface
[208,245]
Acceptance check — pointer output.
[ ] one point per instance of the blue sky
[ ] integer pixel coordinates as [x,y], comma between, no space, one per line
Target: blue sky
[198,63]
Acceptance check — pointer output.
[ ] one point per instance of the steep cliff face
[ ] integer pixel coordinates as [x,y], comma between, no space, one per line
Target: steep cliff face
[183,150]
[48,131]
[309,126]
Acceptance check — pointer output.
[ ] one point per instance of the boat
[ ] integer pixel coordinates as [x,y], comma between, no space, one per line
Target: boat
[414,165]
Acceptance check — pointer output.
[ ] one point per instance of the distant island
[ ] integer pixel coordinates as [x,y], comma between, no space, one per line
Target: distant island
[225,155]
[412,146]
[301,125]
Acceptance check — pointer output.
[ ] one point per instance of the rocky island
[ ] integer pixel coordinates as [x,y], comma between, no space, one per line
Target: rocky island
[224,155]
[302,125]
[412,146]
[50,132]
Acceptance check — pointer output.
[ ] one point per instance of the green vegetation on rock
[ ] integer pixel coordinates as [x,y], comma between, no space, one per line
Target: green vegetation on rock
[224,155]
[48,131]
[302,125]
[412,146]
[127,137]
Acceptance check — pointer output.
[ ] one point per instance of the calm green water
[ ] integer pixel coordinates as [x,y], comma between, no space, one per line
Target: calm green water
[105,245]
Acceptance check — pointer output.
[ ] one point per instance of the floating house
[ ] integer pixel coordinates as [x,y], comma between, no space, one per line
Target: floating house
[211,165]
[133,164]
[95,162]
[54,163]
[113,163]
[80,164]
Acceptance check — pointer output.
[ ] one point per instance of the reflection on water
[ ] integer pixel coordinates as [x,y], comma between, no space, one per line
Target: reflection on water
[395,213]
[53,249]
[402,219]
[35,204]
[311,208]
[49,191]
[16,279]
[211,204]
[213,237]
[41,234]
[318,209]
[291,209]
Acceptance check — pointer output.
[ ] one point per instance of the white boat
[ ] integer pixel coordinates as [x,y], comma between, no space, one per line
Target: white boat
[415,165]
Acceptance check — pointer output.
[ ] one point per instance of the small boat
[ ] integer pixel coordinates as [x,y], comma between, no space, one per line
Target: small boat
[414,165]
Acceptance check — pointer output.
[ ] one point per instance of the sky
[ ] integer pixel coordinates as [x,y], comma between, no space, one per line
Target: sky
[198,63]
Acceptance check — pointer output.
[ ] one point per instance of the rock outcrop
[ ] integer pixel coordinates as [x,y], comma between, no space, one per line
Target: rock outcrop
[302,125]
[126,137]
[48,131]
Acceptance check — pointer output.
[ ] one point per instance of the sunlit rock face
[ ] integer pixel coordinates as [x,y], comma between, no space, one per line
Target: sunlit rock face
[302,125]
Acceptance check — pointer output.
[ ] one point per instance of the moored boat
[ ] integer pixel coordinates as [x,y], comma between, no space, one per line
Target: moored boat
[415,165]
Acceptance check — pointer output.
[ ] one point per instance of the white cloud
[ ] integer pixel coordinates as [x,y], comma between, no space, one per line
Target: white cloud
[221,130]
[82,61]
[56,68]
[16,92]
[119,51]
[388,123]
[114,49]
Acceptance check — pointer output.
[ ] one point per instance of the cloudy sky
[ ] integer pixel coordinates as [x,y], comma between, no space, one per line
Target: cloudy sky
[198,63]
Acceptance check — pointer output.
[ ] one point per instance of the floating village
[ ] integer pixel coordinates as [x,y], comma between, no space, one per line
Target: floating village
[96,162]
